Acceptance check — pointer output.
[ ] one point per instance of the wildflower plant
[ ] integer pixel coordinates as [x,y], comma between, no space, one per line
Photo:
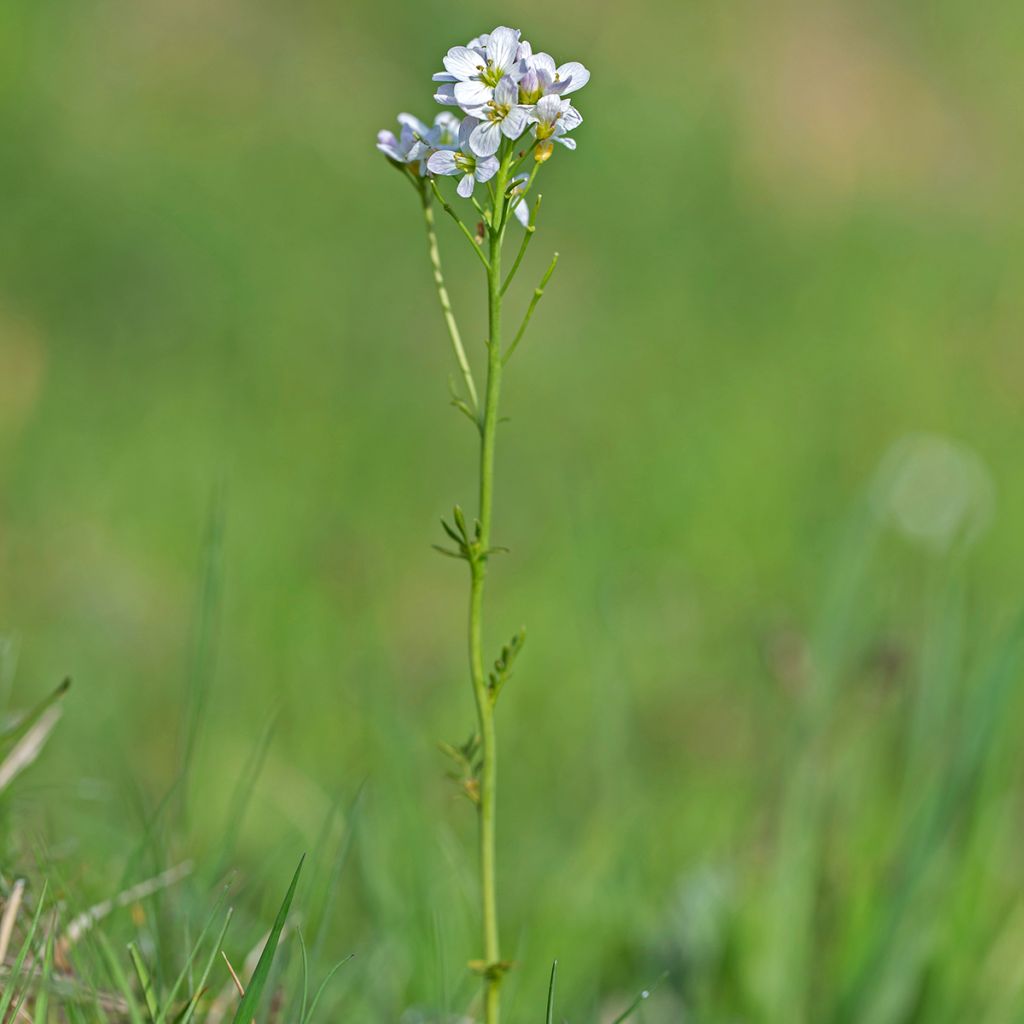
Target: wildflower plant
[512,106]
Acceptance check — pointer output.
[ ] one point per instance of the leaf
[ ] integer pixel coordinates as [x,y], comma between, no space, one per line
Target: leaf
[251,1000]
[7,995]
[549,1018]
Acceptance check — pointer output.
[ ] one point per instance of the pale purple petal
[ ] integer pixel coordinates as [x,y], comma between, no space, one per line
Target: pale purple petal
[472,95]
[486,168]
[465,130]
[417,126]
[522,212]
[576,75]
[506,92]
[548,108]
[514,123]
[571,117]
[465,186]
[567,142]
[502,47]
[446,94]
[485,138]
[442,162]
[525,50]
[545,63]
[388,145]
[463,63]
[443,76]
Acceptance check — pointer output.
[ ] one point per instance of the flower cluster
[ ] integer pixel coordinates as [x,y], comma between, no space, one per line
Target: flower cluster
[504,91]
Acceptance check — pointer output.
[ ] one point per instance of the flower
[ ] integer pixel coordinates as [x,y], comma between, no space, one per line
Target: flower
[502,115]
[403,148]
[473,72]
[416,142]
[539,77]
[552,117]
[464,161]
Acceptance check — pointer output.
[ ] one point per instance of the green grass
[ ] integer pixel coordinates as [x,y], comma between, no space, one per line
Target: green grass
[760,739]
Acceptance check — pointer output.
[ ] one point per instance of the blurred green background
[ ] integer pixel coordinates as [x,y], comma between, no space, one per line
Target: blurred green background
[791,239]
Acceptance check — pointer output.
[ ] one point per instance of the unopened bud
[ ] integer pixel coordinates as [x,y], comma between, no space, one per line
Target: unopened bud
[543,151]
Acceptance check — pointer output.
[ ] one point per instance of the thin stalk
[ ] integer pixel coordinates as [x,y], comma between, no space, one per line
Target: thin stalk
[537,294]
[446,305]
[458,220]
[478,569]
[528,234]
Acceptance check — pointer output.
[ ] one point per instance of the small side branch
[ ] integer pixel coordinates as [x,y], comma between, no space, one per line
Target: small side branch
[455,217]
[446,305]
[538,292]
[531,230]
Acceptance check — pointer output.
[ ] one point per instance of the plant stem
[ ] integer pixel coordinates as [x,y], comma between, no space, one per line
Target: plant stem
[442,294]
[478,569]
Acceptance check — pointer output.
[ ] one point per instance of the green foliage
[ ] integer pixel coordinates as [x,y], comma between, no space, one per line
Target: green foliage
[790,779]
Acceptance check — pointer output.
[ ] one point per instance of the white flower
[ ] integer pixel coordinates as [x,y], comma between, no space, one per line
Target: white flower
[415,141]
[539,77]
[472,72]
[552,117]
[502,115]
[464,161]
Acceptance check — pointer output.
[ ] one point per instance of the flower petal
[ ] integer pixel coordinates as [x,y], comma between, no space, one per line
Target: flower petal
[571,117]
[442,162]
[446,94]
[465,186]
[522,211]
[486,168]
[485,137]
[463,63]
[465,130]
[575,74]
[502,47]
[506,92]
[514,123]
[544,62]
[388,145]
[547,109]
[568,143]
[472,95]
[417,126]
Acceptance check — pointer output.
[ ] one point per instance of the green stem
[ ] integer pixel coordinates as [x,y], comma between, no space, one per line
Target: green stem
[458,220]
[478,566]
[442,294]
[538,293]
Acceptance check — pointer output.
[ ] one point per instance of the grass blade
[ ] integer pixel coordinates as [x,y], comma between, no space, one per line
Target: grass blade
[212,959]
[186,970]
[550,1016]
[118,976]
[42,1008]
[145,981]
[254,991]
[322,987]
[7,994]
[638,1002]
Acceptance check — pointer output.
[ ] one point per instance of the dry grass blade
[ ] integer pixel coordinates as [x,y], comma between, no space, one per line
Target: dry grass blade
[28,748]
[86,920]
[239,987]
[11,909]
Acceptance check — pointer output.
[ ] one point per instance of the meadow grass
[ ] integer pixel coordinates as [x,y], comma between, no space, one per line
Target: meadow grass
[759,741]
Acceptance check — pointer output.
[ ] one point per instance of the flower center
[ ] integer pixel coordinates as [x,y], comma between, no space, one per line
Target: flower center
[465,163]
[497,111]
[545,129]
[490,75]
